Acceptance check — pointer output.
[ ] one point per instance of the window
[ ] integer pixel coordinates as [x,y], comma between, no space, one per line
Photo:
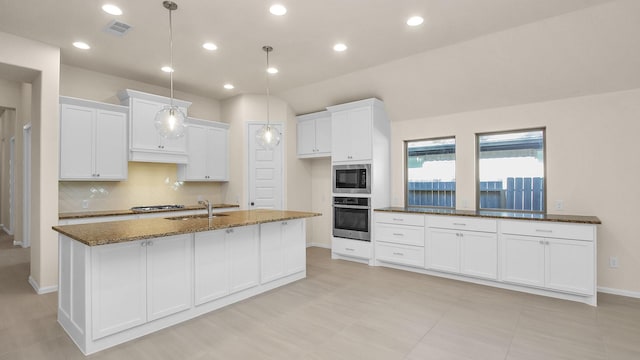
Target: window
[511,171]
[431,172]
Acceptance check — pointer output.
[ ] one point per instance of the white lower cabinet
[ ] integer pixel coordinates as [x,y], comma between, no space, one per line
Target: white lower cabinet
[282,249]
[226,261]
[556,264]
[140,281]
[463,246]
[399,239]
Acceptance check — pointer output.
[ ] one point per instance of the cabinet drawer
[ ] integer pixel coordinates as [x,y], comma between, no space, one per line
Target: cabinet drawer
[548,229]
[400,254]
[462,223]
[400,219]
[353,248]
[399,234]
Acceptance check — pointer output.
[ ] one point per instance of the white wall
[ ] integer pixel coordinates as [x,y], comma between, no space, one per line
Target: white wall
[39,64]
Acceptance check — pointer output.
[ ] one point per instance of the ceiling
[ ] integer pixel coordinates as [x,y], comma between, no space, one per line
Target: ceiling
[374,30]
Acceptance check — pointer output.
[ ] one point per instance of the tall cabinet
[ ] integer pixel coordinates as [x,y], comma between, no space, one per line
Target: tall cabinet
[93,140]
[360,134]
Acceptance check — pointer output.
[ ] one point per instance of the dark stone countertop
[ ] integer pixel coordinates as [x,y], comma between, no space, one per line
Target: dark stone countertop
[576,219]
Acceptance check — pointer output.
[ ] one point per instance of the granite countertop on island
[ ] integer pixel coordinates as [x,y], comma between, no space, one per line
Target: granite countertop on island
[94,234]
[577,219]
[89,214]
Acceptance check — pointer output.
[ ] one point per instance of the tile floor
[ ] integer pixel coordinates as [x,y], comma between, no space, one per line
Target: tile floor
[344,310]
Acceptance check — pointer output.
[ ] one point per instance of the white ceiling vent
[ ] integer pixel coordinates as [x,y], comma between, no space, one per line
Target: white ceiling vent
[117,28]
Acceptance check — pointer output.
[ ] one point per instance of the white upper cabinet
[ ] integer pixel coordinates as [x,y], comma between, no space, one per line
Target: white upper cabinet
[314,135]
[353,129]
[208,151]
[93,140]
[145,144]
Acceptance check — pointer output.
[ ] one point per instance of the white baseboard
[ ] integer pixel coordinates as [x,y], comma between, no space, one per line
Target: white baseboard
[627,293]
[320,245]
[42,290]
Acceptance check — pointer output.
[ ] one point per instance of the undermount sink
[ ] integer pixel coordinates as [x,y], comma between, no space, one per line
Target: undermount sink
[156,208]
[192,217]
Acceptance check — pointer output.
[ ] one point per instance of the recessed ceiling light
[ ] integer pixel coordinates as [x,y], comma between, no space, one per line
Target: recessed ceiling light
[167,69]
[228,86]
[272,70]
[340,47]
[210,46]
[415,21]
[81,45]
[111,9]
[278,10]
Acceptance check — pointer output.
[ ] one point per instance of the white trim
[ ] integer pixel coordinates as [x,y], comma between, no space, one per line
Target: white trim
[42,290]
[8,231]
[319,245]
[627,293]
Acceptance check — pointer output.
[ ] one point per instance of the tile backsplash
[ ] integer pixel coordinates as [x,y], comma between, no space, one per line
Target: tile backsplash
[147,184]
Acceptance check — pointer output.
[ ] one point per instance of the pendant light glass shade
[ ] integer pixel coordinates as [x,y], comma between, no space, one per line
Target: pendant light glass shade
[169,121]
[268,136]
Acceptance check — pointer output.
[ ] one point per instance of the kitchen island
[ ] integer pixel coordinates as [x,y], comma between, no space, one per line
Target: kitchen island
[121,280]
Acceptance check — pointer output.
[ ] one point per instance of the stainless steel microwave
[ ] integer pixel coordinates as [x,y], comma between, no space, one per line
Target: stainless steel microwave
[352,179]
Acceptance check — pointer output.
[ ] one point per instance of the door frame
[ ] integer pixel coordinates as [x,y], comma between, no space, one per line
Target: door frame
[26,186]
[250,138]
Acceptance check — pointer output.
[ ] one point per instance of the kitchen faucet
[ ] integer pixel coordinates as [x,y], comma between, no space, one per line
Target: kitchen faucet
[208,206]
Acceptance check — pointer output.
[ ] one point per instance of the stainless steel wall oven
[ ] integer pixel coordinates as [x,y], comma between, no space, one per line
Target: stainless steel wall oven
[352,218]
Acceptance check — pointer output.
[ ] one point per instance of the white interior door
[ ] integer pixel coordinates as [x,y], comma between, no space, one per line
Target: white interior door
[265,172]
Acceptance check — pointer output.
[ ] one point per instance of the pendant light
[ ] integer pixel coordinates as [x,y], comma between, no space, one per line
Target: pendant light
[268,136]
[169,120]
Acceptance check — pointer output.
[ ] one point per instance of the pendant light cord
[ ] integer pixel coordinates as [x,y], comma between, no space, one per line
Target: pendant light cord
[267,49]
[171,54]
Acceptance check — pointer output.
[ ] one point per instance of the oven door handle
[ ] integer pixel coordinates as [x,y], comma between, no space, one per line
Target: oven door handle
[352,206]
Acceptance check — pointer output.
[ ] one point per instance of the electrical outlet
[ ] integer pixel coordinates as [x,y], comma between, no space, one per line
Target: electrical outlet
[613,262]
[85,204]
[559,205]
[200,198]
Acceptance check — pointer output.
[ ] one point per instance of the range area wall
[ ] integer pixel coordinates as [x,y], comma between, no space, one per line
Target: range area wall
[590,140]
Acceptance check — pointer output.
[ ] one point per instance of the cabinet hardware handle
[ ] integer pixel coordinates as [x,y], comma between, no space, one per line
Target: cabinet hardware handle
[349,249]
[149,243]
[98,175]
[459,224]
[546,242]
[398,253]
[541,242]
[143,244]
[229,231]
[398,234]
[544,230]
[285,223]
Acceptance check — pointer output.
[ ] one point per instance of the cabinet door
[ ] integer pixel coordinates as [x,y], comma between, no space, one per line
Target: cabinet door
[307,137]
[198,153]
[144,135]
[523,261]
[323,135]
[294,243]
[169,275]
[271,252]
[76,142]
[118,287]
[211,268]
[178,145]
[217,154]
[111,145]
[569,266]
[479,254]
[340,137]
[360,130]
[244,257]
[443,250]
